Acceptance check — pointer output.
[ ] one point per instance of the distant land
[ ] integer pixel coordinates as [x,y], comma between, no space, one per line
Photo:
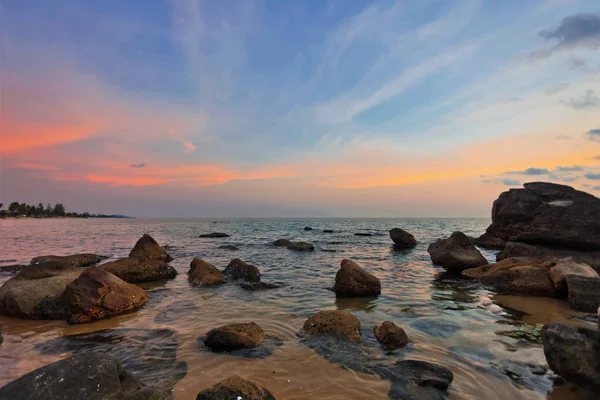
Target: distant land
[22,210]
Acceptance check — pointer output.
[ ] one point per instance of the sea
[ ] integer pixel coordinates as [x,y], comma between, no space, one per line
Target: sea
[490,342]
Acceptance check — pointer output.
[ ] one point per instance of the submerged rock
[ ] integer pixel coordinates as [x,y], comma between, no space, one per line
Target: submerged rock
[229,247]
[147,247]
[234,388]
[97,294]
[282,242]
[234,337]
[300,246]
[327,230]
[353,281]
[584,292]
[363,234]
[75,260]
[308,228]
[139,269]
[530,375]
[214,235]
[390,336]
[415,379]
[566,266]
[402,239]
[91,376]
[239,270]
[333,322]
[436,327]
[456,253]
[253,286]
[203,273]
[573,353]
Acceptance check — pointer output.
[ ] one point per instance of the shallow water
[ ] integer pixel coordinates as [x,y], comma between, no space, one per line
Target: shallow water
[450,321]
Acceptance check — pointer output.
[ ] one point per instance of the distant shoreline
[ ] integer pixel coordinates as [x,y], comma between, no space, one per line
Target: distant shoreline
[90,217]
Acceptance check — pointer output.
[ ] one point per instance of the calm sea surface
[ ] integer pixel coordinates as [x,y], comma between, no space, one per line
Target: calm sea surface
[451,322]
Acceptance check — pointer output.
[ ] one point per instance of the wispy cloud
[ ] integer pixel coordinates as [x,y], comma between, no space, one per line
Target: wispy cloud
[593,176]
[572,168]
[588,100]
[507,182]
[594,134]
[530,171]
[580,30]
[140,165]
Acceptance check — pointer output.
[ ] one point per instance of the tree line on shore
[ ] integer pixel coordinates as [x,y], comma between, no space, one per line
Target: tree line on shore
[16,209]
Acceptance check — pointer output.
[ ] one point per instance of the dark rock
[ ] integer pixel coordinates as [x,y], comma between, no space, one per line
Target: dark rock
[456,253]
[402,239]
[328,231]
[390,336]
[329,250]
[436,327]
[75,260]
[573,353]
[150,354]
[147,247]
[566,266]
[253,286]
[97,294]
[229,247]
[234,388]
[530,375]
[517,249]
[203,273]
[91,376]
[239,270]
[300,246]
[415,379]
[547,214]
[11,269]
[1,338]
[353,281]
[363,234]
[333,322]
[139,269]
[282,242]
[488,242]
[584,293]
[214,235]
[308,228]
[517,275]
[234,337]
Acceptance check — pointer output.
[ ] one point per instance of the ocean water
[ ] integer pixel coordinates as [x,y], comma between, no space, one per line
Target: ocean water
[450,321]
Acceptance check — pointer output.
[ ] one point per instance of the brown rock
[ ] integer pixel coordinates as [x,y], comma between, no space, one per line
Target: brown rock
[566,266]
[203,273]
[75,260]
[584,292]
[97,294]
[238,269]
[333,322]
[234,337]
[139,269]
[456,253]
[282,242]
[147,247]
[353,281]
[402,239]
[300,246]
[390,336]
[234,388]
[517,249]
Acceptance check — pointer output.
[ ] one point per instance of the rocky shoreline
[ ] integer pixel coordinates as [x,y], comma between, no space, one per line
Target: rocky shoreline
[554,229]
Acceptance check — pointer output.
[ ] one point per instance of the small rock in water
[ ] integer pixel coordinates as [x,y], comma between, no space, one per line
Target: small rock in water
[214,235]
[229,247]
[203,273]
[282,242]
[363,234]
[402,239]
[308,228]
[260,285]
[415,379]
[239,270]
[456,252]
[146,246]
[234,337]
[328,231]
[333,322]
[300,246]
[390,336]
[235,387]
[353,281]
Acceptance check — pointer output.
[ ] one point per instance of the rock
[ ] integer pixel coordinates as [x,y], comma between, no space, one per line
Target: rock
[239,270]
[573,353]
[1,338]
[214,235]
[517,275]
[203,273]
[75,260]
[327,230]
[415,379]
[402,239]
[566,266]
[253,286]
[333,322]
[390,336]
[11,269]
[234,337]
[282,242]
[353,281]
[97,294]
[147,247]
[329,250]
[139,269]
[584,292]
[547,214]
[229,247]
[489,242]
[456,253]
[301,246]
[36,292]
[529,375]
[363,234]
[308,228]
[517,249]
[91,376]
[234,388]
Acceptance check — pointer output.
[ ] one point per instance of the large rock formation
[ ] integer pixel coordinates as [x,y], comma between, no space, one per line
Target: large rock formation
[147,247]
[584,292]
[566,266]
[234,337]
[333,322]
[353,281]
[402,239]
[97,294]
[239,270]
[573,353]
[75,260]
[203,273]
[89,376]
[234,388]
[36,292]
[456,253]
[518,249]
[390,336]
[140,269]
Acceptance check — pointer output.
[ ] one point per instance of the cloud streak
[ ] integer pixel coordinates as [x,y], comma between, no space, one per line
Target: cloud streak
[140,165]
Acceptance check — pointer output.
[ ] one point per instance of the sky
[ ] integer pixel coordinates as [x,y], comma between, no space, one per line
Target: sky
[315,108]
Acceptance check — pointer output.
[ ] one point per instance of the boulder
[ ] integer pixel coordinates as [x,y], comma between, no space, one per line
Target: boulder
[308,228]
[584,292]
[333,322]
[517,275]
[489,242]
[517,249]
[353,281]
[203,273]
[300,246]
[390,336]
[402,239]
[456,253]
[239,270]
[76,260]
[97,294]
[573,353]
[140,269]
[234,337]
[282,242]
[36,291]
[566,266]
[547,214]
[234,388]
[214,235]
[147,247]
[90,376]
[229,247]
